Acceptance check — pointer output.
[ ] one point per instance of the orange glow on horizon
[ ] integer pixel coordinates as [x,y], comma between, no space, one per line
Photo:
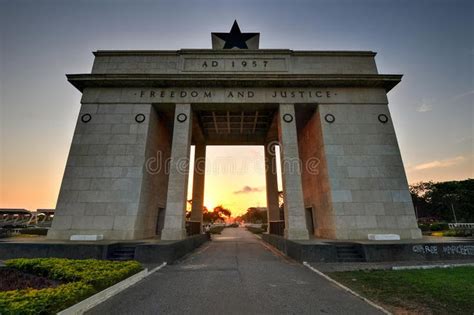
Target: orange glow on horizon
[32,183]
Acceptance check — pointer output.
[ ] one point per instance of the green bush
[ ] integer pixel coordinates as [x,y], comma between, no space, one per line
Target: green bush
[458,233]
[98,273]
[424,227]
[216,229]
[439,227]
[84,277]
[44,301]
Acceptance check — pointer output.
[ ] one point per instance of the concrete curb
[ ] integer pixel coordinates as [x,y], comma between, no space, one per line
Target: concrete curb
[432,266]
[102,296]
[380,308]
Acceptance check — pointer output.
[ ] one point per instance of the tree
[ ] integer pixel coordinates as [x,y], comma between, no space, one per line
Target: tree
[218,212]
[439,199]
[254,215]
[418,196]
[222,212]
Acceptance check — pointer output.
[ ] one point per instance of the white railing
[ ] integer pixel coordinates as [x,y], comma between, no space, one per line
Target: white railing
[461,226]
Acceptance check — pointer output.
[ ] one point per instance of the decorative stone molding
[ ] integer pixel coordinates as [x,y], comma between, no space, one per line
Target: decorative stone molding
[330,118]
[86,118]
[181,117]
[383,118]
[139,118]
[287,118]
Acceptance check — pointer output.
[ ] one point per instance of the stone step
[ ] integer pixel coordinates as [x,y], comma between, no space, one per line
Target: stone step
[347,250]
[349,253]
[122,250]
[122,253]
[351,260]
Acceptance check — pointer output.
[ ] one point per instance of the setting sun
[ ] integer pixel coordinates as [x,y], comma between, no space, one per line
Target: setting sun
[235,177]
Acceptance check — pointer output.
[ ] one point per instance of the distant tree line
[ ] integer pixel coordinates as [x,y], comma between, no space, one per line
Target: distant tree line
[219,212]
[254,215]
[446,201]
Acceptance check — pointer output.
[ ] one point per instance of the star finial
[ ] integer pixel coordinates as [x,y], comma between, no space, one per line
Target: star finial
[235,39]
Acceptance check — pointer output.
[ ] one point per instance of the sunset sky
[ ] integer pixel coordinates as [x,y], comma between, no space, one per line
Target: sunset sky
[430,42]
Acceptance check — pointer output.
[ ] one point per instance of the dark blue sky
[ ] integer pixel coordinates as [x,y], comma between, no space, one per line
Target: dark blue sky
[430,42]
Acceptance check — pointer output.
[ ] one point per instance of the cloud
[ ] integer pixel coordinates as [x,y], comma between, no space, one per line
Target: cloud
[463,139]
[461,95]
[427,105]
[424,107]
[247,190]
[439,163]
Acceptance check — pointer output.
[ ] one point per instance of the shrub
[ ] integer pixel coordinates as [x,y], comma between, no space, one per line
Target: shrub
[439,226]
[458,233]
[424,227]
[85,277]
[44,301]
[216,229]
[98,273]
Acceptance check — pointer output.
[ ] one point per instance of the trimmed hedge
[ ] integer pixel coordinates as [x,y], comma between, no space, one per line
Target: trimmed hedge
[98,273]
[44,301]
[217,229]
[84,277]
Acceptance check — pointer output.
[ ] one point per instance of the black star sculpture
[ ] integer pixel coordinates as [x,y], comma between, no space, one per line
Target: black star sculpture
[235,39]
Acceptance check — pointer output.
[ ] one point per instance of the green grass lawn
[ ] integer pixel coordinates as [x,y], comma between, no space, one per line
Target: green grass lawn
[431,291]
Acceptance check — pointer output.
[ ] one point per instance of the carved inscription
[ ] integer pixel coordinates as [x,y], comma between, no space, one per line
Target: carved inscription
[235,64]
[236,94]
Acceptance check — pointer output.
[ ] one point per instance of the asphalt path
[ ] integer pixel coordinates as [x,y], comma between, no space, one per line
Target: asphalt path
[235,273]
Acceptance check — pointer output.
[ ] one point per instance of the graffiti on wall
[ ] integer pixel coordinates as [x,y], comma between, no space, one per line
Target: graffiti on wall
[464,250]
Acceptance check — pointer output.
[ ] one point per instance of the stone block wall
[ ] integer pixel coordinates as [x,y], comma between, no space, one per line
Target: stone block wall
[368,190]
[191,60]
[101,191]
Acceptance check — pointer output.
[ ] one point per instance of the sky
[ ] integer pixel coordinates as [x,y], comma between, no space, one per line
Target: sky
[429,42]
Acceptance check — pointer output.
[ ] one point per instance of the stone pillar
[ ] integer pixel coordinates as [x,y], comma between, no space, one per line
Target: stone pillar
[198,186]
[295,220]
[274,221]
[363,187]
[108,189]
[174,226]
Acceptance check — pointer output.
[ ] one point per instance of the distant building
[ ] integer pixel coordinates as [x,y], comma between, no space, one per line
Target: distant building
[13,211]
[10,218]
[47,212]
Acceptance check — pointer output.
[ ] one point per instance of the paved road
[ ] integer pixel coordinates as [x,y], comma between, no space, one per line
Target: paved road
[236,273]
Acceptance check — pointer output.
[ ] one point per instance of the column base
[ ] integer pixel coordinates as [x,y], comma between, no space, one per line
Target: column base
[276,227]
[173,234]
[362,234]
[193,227]
[296,234]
